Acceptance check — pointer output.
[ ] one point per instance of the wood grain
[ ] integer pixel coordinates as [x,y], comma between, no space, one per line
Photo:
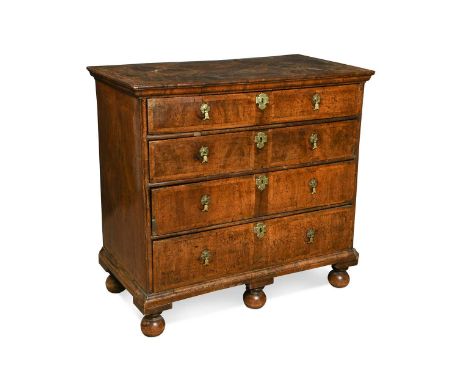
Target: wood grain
[237,249]
[122,192]
[179,208]
[236,75]
[178,114]
[291,146]
[179,159]
[289,190]
[288,241]
[179,260]
[235,152]
[150,133]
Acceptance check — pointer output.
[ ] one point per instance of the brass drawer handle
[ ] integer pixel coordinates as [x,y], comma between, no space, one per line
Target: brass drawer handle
[261,182]
[313,186]
[262,101]
[260,229]
[203,154]
[316,101]
[310,235]
[314,140]
[205,201]
[260,139]
[205,257]
[205,110]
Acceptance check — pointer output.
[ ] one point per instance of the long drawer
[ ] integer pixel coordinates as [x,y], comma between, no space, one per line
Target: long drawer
[208,255]
[251,150]
[222,111]
[188,206]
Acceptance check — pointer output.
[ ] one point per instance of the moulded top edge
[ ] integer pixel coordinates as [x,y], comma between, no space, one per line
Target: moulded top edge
[229,73]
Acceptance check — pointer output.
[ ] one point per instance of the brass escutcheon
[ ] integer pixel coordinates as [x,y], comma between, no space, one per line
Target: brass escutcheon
[313,185]
[203,154]
[205,257]
[260,229]
[260,139]
[310,235]
[205,201]
[262,101]
[205,110]
[261,182]
[314,140]
[316,101]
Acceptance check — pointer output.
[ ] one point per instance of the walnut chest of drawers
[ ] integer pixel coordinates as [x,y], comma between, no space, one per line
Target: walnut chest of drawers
[220,173]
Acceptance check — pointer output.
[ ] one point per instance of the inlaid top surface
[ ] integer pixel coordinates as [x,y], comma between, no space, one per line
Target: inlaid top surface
[207,73]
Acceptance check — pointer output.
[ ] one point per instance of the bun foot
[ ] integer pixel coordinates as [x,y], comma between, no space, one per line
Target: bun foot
[254,298]
[113,285]
[152,325]
[338,277]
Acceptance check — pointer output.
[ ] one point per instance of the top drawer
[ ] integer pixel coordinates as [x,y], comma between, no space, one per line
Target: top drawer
[208,112]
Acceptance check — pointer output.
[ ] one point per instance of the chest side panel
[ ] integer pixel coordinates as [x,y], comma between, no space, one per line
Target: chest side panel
[122,191]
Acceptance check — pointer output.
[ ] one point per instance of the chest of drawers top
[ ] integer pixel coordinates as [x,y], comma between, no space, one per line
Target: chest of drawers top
[197,77]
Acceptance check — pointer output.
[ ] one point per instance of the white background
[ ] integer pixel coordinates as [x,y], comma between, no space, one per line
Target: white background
[403,316]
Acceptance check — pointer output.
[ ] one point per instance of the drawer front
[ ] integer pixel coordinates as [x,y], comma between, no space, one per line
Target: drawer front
[307,187]
[176,159]
[182,158]
[180,208]
[208,255]
[179,114]
[193,258]
[313,143]
[299,237]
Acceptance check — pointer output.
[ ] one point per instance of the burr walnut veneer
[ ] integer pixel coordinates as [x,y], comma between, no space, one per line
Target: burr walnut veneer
[220,173]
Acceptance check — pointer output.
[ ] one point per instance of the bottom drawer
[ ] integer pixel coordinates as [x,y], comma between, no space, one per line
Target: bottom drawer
[194,258]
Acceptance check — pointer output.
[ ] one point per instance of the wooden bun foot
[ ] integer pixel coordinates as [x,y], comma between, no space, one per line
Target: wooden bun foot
[338,277]
[254,298]
[152,325]
[113,285]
